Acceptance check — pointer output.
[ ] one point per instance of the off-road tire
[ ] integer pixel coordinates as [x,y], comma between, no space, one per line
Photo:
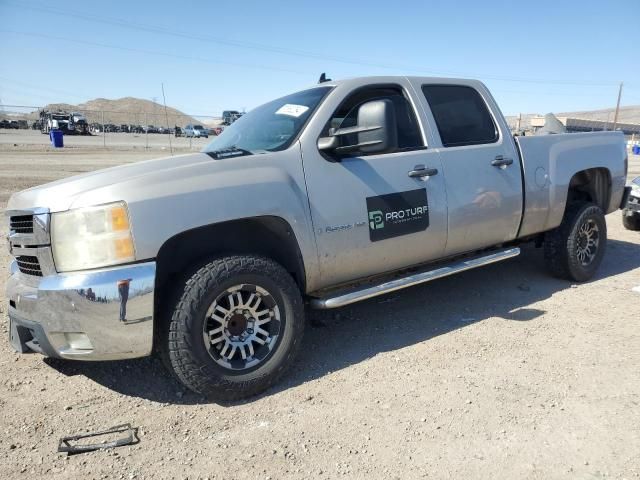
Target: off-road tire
[631,222]
[561,244]
[184,347]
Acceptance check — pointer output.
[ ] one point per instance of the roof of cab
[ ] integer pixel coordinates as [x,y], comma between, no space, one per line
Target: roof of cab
[357,81]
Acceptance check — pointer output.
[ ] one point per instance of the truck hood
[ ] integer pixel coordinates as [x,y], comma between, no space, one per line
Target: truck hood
[60,195]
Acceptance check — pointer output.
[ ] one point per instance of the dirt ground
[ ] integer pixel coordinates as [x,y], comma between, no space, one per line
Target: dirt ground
[500,372]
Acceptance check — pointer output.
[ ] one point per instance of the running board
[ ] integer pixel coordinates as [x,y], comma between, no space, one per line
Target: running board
[342,299]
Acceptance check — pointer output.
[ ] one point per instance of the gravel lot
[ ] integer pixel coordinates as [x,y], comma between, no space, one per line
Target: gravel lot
[500,372]
[122,141]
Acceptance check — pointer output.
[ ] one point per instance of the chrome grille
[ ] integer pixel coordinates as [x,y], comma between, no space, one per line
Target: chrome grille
[21,224]
[29,265]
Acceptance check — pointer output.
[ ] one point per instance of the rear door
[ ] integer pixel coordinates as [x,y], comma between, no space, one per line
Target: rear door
[370,215]
[481,167]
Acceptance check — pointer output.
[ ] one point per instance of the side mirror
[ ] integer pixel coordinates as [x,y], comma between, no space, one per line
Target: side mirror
[376,131]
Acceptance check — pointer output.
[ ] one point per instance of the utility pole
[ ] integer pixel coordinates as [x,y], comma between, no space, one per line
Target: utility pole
[519,123]
[615,117]
[166,116]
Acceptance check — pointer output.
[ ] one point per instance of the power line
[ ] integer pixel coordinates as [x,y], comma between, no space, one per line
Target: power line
[210,61]
[153,52]
[156,29]
[30,86]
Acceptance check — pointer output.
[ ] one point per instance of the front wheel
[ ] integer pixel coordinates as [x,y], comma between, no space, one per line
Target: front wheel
[575,249]
[236,328]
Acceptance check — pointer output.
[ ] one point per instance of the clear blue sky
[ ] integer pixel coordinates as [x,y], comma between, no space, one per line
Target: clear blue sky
[536,56]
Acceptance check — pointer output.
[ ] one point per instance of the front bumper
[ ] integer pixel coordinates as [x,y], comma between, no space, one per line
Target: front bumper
[104,314]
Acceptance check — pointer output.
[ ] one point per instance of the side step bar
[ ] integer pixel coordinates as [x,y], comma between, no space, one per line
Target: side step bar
[342,299]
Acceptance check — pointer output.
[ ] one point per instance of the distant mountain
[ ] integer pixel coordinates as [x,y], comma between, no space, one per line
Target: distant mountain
[630,114]
[128,110]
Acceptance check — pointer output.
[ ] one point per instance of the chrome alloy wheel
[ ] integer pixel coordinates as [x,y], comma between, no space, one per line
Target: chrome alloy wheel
[241,327]
[588,241]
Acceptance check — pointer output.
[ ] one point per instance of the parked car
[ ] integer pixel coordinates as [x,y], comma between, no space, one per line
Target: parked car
[195,131]
[78,124]
[335,194]
[631,212]
[59,120]
[230,116]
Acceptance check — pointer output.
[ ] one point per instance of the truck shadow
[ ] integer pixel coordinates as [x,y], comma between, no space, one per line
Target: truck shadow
[347,336]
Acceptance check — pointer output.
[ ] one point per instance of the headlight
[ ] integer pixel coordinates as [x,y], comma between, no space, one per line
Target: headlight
[92,237]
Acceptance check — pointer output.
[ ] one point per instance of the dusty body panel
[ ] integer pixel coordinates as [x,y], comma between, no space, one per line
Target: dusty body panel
[338,192]
[550,161]
[484,201]
[169,196]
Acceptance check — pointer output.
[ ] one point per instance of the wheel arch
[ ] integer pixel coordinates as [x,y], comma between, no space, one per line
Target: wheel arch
[270,236]
[590,185]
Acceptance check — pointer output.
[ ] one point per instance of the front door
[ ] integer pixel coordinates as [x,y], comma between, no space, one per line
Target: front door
[379,212]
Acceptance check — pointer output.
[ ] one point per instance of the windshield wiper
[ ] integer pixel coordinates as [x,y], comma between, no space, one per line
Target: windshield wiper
[228,152]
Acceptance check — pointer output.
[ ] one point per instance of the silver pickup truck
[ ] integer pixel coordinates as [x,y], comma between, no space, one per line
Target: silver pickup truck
[335,194]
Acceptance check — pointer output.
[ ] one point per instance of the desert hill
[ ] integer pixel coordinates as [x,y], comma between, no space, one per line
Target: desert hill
[127,110]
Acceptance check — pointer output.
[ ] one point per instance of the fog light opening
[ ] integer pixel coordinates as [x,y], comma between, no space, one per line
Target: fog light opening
[78,341]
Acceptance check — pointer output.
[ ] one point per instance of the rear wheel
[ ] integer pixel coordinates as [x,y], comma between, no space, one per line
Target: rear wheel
[236,328]
[575,249]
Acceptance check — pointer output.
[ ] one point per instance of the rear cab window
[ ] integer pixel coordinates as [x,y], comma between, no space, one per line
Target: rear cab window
[461,115]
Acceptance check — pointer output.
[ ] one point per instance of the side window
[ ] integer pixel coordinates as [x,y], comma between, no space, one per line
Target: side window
[461,115]
[346,115]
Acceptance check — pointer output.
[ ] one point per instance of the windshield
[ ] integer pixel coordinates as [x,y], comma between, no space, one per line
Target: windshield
[198,127]
[270,127]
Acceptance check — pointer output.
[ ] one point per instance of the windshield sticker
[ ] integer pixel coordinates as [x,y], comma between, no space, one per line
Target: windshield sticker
[292,110]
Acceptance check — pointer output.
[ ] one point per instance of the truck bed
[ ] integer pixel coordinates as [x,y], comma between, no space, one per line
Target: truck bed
[549,163]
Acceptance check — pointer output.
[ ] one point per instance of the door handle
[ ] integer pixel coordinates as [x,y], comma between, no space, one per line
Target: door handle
[501,161]
[420,171]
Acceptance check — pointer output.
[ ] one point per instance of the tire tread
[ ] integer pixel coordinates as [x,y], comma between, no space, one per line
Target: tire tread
[561,242]
[193,373]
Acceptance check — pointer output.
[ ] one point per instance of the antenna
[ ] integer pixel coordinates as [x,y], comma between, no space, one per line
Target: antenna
[323,78]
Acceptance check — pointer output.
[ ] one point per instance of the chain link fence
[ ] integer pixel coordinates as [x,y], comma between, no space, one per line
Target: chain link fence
[126,129]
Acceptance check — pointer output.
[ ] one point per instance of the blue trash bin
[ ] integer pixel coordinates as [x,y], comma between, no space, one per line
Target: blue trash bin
[56,138]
